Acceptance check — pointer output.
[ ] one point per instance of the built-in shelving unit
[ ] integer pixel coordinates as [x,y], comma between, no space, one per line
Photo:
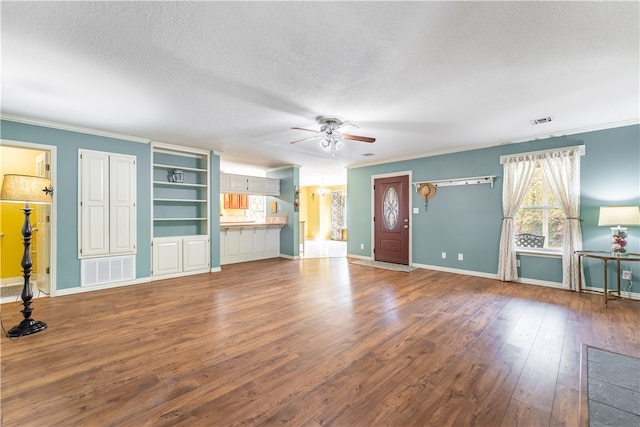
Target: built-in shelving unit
[180,209]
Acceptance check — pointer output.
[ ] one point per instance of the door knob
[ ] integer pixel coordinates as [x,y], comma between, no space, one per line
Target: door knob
[406,226]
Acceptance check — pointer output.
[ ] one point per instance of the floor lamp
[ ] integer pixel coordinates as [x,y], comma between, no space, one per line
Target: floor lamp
[26,189]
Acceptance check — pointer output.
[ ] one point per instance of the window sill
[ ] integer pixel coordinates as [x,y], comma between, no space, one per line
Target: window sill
[545,253]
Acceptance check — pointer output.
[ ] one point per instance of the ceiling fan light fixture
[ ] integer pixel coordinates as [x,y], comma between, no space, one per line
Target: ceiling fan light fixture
[332,143]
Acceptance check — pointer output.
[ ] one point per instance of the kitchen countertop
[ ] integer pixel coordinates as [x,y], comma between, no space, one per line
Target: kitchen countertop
[250,224]
[238,221]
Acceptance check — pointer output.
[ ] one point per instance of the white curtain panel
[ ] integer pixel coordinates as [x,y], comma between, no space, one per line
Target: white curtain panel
[516,177]
[562,170]
[338,201]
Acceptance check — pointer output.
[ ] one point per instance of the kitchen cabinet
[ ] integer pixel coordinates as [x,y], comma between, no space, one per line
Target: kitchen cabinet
[249,242]
[236,201]
[255,185]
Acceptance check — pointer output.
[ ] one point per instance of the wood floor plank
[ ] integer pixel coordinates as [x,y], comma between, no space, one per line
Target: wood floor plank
[314,342]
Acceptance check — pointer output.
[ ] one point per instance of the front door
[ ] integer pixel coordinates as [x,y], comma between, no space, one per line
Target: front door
[391,219]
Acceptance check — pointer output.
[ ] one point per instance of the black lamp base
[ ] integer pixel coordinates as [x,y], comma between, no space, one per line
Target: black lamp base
[27,327]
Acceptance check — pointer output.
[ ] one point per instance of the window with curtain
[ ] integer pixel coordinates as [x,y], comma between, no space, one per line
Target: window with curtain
[540,214]
[561,170]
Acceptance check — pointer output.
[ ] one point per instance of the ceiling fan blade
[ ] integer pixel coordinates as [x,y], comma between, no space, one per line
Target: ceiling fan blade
[308,130]
[308,139]
[347,124]
[358,138]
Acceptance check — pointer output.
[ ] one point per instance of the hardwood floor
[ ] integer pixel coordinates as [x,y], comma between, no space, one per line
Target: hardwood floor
[309,343]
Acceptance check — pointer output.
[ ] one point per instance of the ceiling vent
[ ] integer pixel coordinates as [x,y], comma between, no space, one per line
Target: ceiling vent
[542,120]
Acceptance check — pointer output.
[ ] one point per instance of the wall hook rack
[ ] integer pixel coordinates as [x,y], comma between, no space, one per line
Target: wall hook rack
[489,179]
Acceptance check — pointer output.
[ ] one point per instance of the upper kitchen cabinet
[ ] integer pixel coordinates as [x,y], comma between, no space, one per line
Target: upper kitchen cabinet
[255,185]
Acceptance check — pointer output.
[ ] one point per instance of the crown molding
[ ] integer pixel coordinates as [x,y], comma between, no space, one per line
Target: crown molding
[593,128]
[72,128]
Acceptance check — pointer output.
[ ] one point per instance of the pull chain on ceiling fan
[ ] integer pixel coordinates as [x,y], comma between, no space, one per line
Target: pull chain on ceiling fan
[331,139]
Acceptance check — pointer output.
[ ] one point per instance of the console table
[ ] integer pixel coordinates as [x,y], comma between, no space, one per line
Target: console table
[605,257]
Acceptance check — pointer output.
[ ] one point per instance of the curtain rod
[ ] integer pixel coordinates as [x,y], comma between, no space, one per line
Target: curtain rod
[505,158]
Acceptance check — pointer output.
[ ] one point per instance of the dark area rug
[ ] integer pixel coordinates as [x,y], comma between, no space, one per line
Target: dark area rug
[385,265]
[613,382]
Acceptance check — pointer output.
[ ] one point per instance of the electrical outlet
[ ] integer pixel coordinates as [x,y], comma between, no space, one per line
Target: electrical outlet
[460,257]
[444,255]
[518,261]
[626,275]
[361,245]
[416,210]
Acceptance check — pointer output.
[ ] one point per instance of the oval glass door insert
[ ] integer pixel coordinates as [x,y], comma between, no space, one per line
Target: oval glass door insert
[390,208]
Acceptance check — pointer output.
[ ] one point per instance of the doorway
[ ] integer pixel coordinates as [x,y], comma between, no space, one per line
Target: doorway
[323,232]
[26,159]
[391,219]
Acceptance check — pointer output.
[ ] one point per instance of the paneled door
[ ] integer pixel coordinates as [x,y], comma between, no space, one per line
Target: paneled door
[391,219]
[43,235]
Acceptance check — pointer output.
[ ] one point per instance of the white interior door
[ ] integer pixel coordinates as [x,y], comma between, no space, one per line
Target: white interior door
[43,233]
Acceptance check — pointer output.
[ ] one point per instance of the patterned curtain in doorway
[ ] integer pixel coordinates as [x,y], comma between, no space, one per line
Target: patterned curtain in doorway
[338,217]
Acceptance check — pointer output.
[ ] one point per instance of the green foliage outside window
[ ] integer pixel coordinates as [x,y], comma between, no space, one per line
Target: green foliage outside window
[539,213]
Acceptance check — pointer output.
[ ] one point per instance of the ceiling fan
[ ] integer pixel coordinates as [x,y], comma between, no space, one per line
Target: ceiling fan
[331,139]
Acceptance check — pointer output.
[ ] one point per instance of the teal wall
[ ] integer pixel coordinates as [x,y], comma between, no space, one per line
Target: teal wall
[467,219]
[66,191]
[460,219]
[214,167]
[290,233]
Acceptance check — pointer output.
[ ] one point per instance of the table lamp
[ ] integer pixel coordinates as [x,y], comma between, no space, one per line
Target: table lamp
[26,189]
[616,217]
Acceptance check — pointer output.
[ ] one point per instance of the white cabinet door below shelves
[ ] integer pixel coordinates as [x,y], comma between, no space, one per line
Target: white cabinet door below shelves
[195,253]
[167,256]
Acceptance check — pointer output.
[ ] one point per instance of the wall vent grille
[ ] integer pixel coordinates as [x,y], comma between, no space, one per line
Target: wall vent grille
[102,271]
[541,120]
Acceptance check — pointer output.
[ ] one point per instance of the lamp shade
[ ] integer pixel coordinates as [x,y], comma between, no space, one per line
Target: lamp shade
[619,215]
[26,188]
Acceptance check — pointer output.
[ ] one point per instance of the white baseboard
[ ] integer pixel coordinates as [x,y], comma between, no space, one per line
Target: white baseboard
[215,270]
[537,282]
[181,274]
[523,280]
[359,257]
[456,271]
[623,294]
[12,281]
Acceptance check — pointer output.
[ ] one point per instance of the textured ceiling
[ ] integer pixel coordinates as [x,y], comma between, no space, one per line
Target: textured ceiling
[234,77]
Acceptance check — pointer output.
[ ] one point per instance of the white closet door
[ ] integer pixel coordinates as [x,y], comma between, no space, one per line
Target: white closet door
[122,201]
[94,204]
